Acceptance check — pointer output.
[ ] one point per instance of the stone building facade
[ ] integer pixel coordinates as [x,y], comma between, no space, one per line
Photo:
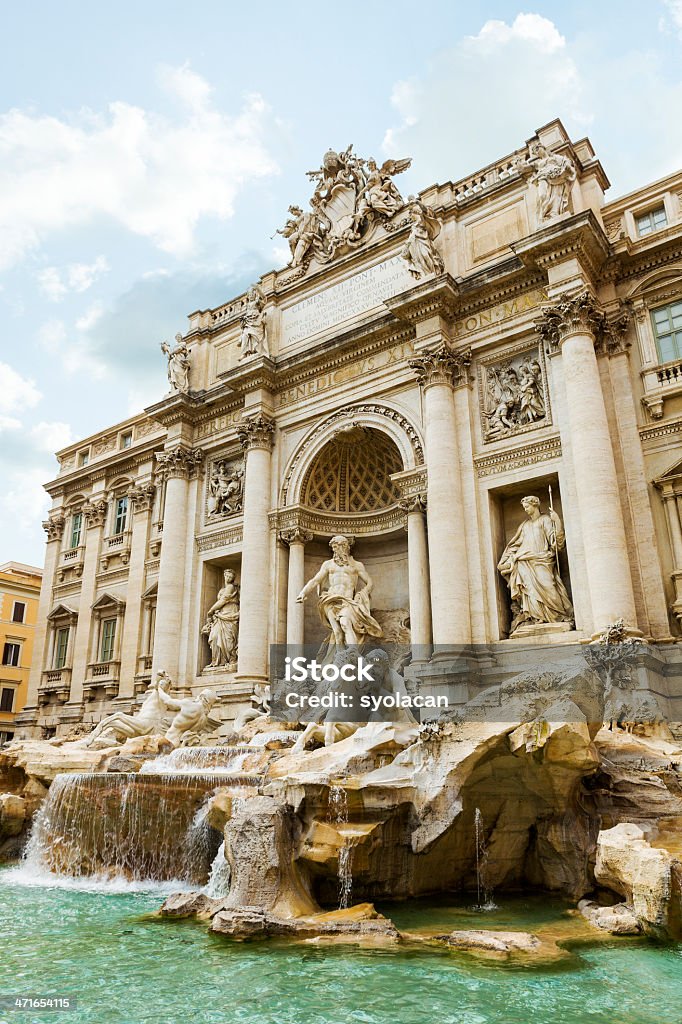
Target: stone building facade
[19,595]
[419,367]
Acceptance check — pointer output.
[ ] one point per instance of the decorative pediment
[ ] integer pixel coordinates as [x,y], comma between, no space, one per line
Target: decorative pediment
[151,591]
[63,612]
[108,601]
[671,475]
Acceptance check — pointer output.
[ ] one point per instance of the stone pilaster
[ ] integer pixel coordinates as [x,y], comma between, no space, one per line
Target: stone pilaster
[54,528]
[94,514]
[414,508]
[297,540]
[572,326]
[175,467]
[141,498]
[439,372]
[256,434]
[671,503]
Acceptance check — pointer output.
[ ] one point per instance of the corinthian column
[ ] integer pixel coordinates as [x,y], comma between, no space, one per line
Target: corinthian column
[439,373]
[297,540]
[418,572]
[572,327]
[256,435]
[175,467]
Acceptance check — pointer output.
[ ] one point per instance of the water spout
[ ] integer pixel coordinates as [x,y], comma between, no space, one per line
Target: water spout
[337,813]
[484,899]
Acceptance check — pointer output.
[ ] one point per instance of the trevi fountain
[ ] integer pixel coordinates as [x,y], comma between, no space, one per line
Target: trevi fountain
[358,679]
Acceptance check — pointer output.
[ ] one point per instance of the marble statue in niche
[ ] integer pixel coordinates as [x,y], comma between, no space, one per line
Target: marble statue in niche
[513,395]
[253,340]
[178,364]
[343,606]
[225,489]
[221,628]
[552,175]
[530,566]
[419,252]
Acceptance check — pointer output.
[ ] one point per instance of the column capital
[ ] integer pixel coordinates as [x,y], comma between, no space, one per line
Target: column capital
[54,526]
[141,497]
[256,432]
[179,462]
[297,535]
[574,314]
[413,503]
[95,513]
[442,366]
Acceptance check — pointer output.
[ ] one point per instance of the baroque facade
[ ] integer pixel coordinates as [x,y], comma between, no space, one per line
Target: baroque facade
[420,366]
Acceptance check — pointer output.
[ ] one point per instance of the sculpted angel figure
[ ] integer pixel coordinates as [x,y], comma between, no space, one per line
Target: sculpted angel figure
[552,174]
[178,364]
[222,624]
[253,340]
[343,606]
[419,252]
[379,193]
[529,564]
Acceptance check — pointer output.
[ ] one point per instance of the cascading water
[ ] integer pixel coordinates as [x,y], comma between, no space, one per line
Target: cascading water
[226,760]
[337,813]
[218,884]
[125,825]
[484,899]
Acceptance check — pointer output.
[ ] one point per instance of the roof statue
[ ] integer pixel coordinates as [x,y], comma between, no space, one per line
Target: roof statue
[351,196]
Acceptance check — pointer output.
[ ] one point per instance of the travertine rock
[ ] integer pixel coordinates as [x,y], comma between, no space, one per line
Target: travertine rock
[190,904]
[493,941]
[360,923]
[13,813]
[618,920]
[647,877]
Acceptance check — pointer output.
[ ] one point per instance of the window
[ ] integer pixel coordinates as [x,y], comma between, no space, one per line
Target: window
[83,458]
[6,737]
[76,529]
[11,654]
[19,611]
[108,635]
[667,324]
[654,220]
[126,440]
[120,515]
[61,647]
[6,698]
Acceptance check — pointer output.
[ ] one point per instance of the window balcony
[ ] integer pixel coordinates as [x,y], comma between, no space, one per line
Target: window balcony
[101,679]
[661,382]
[55,684]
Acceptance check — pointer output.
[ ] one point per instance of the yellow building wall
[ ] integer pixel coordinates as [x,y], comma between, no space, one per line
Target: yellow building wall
[17,583]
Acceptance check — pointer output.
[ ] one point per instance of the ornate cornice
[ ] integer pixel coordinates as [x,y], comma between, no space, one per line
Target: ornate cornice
[442,366]
[220,539]
[439,296]
[297,535]
[322,524]
[256,432]
[54,526]
[257,373]
[517,458]
[179,462]
[578,237]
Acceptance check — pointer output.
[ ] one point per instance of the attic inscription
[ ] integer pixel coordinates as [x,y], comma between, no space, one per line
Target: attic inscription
[345,301]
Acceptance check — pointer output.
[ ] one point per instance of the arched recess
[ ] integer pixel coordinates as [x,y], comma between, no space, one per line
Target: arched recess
[369,416]
[670,275]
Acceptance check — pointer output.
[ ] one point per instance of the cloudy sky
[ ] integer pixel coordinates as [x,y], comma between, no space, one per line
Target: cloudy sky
[149,150]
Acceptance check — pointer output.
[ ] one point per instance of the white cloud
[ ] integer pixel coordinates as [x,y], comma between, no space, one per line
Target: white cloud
[674,9]
[16,392]
[155,175]
[9,423]
[50,437]
[483,96]
[77,277]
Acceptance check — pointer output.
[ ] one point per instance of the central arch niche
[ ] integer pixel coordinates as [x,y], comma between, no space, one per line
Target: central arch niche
[352,473]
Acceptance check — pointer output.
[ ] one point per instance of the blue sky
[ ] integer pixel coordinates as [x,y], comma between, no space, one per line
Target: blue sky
[148,151]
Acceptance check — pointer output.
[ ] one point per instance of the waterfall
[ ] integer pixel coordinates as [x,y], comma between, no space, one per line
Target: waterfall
[218,884]
[226,760]
[484,899]
[150,827]
[337,814]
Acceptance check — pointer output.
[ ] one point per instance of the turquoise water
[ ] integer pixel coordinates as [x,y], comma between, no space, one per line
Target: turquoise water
[96,945]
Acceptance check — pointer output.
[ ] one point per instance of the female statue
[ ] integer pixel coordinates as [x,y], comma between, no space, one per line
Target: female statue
[222,624]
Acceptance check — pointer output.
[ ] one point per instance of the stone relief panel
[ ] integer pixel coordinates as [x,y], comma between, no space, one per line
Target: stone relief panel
[224,488]
[514,396]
